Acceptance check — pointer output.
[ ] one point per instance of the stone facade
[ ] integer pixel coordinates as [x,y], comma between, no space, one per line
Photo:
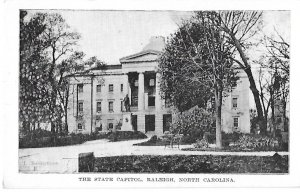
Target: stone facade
[96,98]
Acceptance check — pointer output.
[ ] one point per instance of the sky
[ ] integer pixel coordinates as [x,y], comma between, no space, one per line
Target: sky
[111,35]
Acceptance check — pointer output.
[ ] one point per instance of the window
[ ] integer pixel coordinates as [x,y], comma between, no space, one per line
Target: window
[151,101]
[235,122]
[79,126]
[234,102]
[151,82]
[99,128]
[80,88]
[80,107]
[121,106]
[98,88]
[110,126]
[111,106]
[111,88]
[98,107]
[121,87]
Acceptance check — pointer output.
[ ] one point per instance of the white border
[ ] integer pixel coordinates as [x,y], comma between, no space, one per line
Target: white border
[9,94]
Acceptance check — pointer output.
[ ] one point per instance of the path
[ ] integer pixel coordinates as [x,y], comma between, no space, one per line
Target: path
[65,159]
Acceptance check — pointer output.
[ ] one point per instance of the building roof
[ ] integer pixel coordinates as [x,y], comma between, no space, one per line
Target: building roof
[107,67]
[149,53]
[131,58]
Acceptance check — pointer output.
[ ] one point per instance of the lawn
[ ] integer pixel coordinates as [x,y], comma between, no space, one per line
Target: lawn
[192,164]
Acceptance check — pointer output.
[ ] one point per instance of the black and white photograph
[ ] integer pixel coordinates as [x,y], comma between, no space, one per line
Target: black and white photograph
[202,95]
[154,91]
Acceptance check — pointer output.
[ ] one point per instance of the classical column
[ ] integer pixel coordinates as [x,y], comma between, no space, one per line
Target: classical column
[159,114]
[141,103]
[157,90]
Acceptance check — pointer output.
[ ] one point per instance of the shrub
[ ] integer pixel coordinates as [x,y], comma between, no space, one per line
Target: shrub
[192,164]
[201,143]
[192,124]
[126,135]
[256,142]
[153,139]
[30,141]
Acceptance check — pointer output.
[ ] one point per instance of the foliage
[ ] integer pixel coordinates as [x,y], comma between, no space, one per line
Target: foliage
[257,142]
[192,124]
[226,137]
[192,164]
[47,55]
[42,138]
[126,135]
[203,143]
[196,65]
[193,55]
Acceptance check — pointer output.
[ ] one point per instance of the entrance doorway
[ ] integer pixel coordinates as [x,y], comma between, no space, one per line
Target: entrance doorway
[134,122]
[149,123]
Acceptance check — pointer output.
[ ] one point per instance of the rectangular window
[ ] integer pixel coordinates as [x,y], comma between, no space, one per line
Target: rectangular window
[111,106]
[151,82]
[80,88]
[99,128]
[79,126]
[121,87]
[80,107]
[98,107]
[111,88]
[235,122]
[234,102]
[110,126]
[121,106]
[98,88]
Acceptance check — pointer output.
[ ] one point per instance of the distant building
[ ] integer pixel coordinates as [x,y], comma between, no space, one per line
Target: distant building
[96,97]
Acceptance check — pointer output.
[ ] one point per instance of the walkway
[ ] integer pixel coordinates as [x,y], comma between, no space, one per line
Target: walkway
[65,159]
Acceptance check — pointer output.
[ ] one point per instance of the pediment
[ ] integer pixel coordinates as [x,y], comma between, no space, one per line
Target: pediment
[144,56]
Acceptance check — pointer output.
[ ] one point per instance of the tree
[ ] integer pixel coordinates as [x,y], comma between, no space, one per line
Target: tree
[240,27]
[47,57]
[33,80]
[62,41]
[274,76]
[196,65]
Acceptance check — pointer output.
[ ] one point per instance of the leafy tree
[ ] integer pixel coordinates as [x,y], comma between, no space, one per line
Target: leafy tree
[33,95]
[196,65]
[47,56]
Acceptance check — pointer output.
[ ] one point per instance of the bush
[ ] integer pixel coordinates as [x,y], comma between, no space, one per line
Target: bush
[226,137]
[126,135]
[153,139]
[48,139]
[192,124]
[201,144]
[257,142]
[192,164]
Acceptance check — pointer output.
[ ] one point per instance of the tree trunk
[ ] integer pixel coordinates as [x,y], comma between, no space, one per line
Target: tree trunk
[218,108]
[255,92]
[260,115]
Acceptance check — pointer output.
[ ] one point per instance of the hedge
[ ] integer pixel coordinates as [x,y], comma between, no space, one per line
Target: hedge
[192,164]
[43,138]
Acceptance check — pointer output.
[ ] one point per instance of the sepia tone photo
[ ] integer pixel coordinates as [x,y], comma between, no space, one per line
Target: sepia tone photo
[154,91]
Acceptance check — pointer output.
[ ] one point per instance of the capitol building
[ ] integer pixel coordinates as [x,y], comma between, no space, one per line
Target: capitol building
[96,98]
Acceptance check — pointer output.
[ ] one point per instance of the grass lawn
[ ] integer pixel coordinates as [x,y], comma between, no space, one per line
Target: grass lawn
[192,164]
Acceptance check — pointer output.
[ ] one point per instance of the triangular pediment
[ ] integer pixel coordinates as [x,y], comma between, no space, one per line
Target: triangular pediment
[144,56]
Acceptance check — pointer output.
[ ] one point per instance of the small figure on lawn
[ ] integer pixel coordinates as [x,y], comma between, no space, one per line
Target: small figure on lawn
[126,103]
